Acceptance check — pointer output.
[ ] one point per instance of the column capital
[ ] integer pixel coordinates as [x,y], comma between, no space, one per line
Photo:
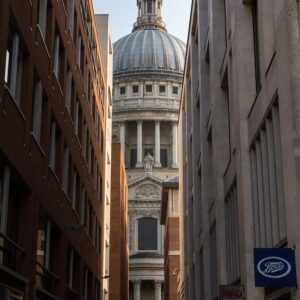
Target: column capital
[139,122]
[159,282]
[157,122]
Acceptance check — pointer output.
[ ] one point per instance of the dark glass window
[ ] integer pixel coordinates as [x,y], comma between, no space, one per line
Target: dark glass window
[162,89]
[256,44]
[133,158]
[147,236]
[148,88]
[149,7]
[175,90]
[122,90]
[164,158]
[135,89]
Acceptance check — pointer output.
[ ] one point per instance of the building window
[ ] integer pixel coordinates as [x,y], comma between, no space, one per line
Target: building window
[98,238]
[232,236]
[256,44]
[14,65]
[97,290]
[42,16]
[72,273]
[82,205]
[86,79]
[55,140]
[122,90]
[133,158]
[69,87]
[65,169]
[76,192]
[267,183]
[213,262]
[164,158]
[135,89]
[90,226]
[71,17]
[78,121]
[70,266]
[149,6]
[87,215]
[37,110]
[84,138]
[162,89]
[78,51]
[48,250]
[87,284]
[202,276]
[148,88]
[147,234]
[4,198]
[44,243]
[58,63]
[175,90]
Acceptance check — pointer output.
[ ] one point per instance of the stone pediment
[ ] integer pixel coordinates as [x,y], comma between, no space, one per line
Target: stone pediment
[147,188]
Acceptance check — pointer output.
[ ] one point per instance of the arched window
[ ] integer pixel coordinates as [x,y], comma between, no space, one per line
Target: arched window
[147,234]
[149,6]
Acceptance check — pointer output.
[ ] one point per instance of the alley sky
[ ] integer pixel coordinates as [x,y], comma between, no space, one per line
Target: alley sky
[123,14]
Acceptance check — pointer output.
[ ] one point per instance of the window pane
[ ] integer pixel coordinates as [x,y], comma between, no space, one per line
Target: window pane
[133,158]
[164,158]
[147,234]
[162,89]
[7,66]
[148,88]
[149,6]
[122,90]
[135,89]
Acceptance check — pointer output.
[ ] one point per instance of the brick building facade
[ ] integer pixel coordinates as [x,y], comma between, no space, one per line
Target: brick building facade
[170,219]
[52,108]
[119,280]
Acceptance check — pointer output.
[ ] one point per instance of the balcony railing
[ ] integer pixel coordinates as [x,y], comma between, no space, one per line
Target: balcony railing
[10,252]
[71,294]
[45,279]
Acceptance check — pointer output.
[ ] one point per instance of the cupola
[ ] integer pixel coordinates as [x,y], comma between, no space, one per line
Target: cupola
[149,15]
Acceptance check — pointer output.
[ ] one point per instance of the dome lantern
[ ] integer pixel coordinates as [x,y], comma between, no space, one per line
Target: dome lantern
[149,15]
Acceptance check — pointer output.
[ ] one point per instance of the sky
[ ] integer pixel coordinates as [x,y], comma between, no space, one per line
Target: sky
[123,13]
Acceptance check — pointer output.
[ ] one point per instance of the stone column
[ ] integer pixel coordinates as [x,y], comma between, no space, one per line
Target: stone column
[139,163]
[174,145]
[158,290]
[157,163]
[122,137]
[136,289]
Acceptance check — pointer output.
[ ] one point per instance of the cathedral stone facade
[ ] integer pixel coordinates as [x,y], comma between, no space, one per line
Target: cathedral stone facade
[148,70]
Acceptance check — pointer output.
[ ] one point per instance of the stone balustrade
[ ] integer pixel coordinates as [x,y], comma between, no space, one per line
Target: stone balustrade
[138,104]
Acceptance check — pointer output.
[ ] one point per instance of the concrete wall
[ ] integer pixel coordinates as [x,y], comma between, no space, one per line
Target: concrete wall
[238,92]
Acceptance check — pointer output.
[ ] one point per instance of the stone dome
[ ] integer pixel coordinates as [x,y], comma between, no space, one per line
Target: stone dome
[147,51]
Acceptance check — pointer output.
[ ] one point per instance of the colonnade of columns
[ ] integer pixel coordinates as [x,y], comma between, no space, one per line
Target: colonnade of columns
[137,289]
[157,162]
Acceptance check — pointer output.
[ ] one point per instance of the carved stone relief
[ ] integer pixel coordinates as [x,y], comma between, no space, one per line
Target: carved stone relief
[148,191]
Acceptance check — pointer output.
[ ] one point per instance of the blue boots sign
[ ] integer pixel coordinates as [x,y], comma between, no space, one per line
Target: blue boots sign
[275,267]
